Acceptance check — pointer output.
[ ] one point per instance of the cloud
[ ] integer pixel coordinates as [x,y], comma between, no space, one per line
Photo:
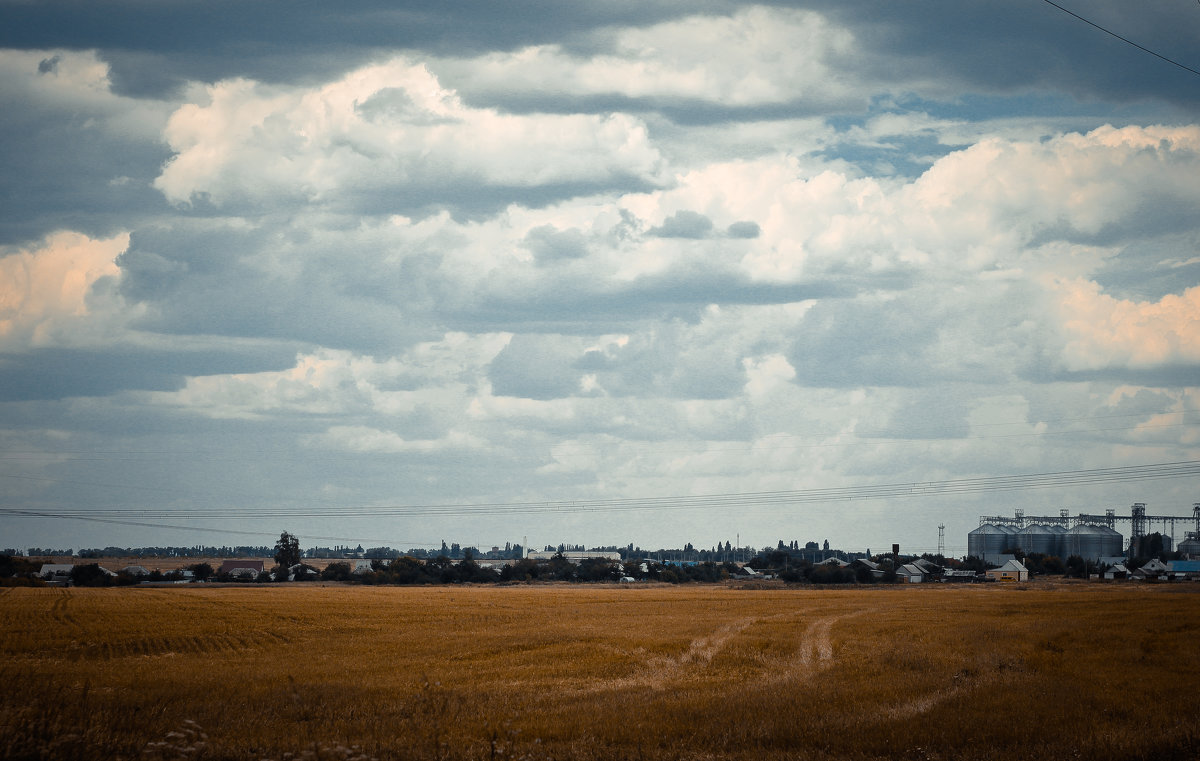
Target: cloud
[384,129]
[746,230]
[398,254]
[548,243]
[537,367]
[1100,331]
[45,293]
[370,440]
[65,137]
[684,224]
[768,56]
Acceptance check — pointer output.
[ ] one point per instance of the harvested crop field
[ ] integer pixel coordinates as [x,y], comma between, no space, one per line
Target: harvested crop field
[582,672]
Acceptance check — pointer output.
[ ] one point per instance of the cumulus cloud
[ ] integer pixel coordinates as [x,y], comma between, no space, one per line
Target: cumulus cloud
[388,128]
[46,293]
[768,56]
[684,224]
[1100,331]
[579,258]
[548,243]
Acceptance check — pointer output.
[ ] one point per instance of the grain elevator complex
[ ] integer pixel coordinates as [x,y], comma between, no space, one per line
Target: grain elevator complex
[1089,536]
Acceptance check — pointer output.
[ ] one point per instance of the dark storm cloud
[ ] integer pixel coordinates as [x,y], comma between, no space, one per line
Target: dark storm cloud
[998,46]
[66,168]
[156,46]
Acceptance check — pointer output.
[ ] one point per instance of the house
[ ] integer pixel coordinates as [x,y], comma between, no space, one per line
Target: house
[136,570]
[361,566]
[1117,571]
[834,562]
[1152,570]
[241,569]
[56,571]
[302,571]
[1013,570]
[1184,569]
[928,566]
[876,571]
[910,573]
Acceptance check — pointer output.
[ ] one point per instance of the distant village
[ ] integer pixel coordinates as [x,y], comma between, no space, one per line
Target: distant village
[1016,548]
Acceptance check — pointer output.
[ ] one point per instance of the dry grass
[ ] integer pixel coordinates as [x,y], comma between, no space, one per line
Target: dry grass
[1067,671]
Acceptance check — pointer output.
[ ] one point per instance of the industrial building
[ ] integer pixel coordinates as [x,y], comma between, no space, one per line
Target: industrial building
[1091,537]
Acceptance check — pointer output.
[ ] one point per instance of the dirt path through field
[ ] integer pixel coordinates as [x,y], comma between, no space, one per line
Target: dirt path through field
[815,653]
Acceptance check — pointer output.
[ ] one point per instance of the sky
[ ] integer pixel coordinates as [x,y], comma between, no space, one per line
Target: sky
[399,273]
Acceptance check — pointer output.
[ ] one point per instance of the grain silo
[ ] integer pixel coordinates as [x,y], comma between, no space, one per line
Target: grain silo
[1112,543]
[986,540]
[1059,546]
[1036,538]
[1085,541]
[1190,547]
[1012,540]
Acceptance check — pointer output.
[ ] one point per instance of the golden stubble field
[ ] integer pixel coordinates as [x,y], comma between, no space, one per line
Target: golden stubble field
[580,672]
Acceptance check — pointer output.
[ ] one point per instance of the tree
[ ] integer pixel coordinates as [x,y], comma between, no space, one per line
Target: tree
[337,572]
[201,571]
[287,551]
[90,575]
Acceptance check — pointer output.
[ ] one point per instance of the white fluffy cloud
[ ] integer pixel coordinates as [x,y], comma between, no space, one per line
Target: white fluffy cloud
[1105,332]
[384,128]
[45,292]
[763,56]
[714,253]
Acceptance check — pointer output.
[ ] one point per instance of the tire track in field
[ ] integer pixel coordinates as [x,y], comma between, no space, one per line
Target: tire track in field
[660,672]
[60,611]
[816,646]
[964,682]
[815,653]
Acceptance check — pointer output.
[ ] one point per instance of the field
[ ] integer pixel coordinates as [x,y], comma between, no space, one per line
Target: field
[579,672]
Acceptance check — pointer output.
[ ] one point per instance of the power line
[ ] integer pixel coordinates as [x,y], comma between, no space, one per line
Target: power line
[1026,481]
[119,522]
[1123,39]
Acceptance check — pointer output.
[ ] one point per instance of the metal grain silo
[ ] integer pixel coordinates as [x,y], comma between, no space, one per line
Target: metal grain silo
[1037,538]
[1190,547]
[986,540]
[1012,537]
[1085,541]
[1059,544]
[1112,543]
